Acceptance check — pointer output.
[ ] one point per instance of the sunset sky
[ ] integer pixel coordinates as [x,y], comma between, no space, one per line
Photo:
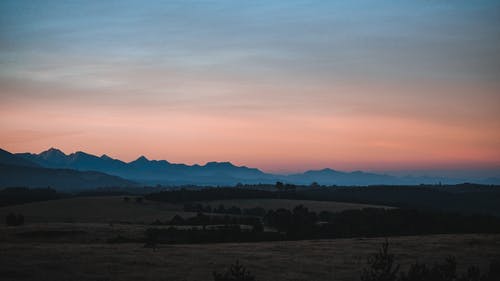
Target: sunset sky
[284,86]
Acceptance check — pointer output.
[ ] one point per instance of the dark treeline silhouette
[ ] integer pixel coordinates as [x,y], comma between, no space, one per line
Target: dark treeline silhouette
[465,198]
[204,220]
[214,193]
[221,209]
[21,195]
[101,192]
[300,223]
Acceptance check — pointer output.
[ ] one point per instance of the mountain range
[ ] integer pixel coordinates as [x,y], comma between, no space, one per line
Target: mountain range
[152,172]
[16,171]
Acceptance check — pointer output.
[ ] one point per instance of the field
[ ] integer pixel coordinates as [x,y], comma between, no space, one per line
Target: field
[68,239]
[316,206]
[340,259]
[94,209]
[115,209]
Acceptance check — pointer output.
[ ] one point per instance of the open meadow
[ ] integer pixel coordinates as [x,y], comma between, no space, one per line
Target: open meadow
[321,260]
[75,239]
[115,209]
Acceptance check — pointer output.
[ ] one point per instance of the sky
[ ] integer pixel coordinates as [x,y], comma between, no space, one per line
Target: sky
[284,86]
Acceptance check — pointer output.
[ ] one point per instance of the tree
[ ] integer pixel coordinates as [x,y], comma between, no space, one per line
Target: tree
[381,266]
[279,186]
[177,220]
[14,220]
[258,226]
[151,238]
[236,272]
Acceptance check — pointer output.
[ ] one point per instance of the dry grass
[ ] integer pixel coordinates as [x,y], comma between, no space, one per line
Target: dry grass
[95,209]
[115,209]
[316,206]
[48,248]
[340,259]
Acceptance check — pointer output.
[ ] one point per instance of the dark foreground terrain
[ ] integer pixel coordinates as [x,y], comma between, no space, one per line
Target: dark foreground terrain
[275,235]
[340,259]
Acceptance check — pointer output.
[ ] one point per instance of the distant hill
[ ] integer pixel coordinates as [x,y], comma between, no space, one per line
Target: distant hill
[342,178]
[60,179]
[16,171]
[7,158]
[152,172]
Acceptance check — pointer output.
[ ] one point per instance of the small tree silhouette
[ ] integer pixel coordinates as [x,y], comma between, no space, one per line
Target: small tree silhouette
[279,186]
[151,240]
[258,226]
[236,272]
[381,266]
[14,220]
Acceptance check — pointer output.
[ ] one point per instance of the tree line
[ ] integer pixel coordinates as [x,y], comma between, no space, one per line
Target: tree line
[465,199]
[301,223]
[222,209]
[21,195]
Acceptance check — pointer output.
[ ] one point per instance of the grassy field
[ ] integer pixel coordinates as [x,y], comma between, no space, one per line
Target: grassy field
[95,209]
[340,259]
[115,209]
[316,206]
[66,240]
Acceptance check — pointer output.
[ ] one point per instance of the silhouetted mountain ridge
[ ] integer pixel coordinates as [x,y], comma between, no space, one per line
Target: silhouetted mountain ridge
[16,171]
[163,172]
[7,158]
[151,171]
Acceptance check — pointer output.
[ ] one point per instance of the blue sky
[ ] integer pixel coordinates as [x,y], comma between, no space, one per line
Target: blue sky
[332,70]
[444,39]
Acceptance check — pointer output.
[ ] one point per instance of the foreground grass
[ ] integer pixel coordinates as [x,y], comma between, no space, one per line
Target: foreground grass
[340,259]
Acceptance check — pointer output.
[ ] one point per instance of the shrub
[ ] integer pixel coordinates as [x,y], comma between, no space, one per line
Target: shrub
[381,266]
[236,272]
[14,220]
[151,239]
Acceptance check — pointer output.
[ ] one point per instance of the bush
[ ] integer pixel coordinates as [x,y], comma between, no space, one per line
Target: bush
[381,266]
[14,220]
[236,272]
[151,239]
